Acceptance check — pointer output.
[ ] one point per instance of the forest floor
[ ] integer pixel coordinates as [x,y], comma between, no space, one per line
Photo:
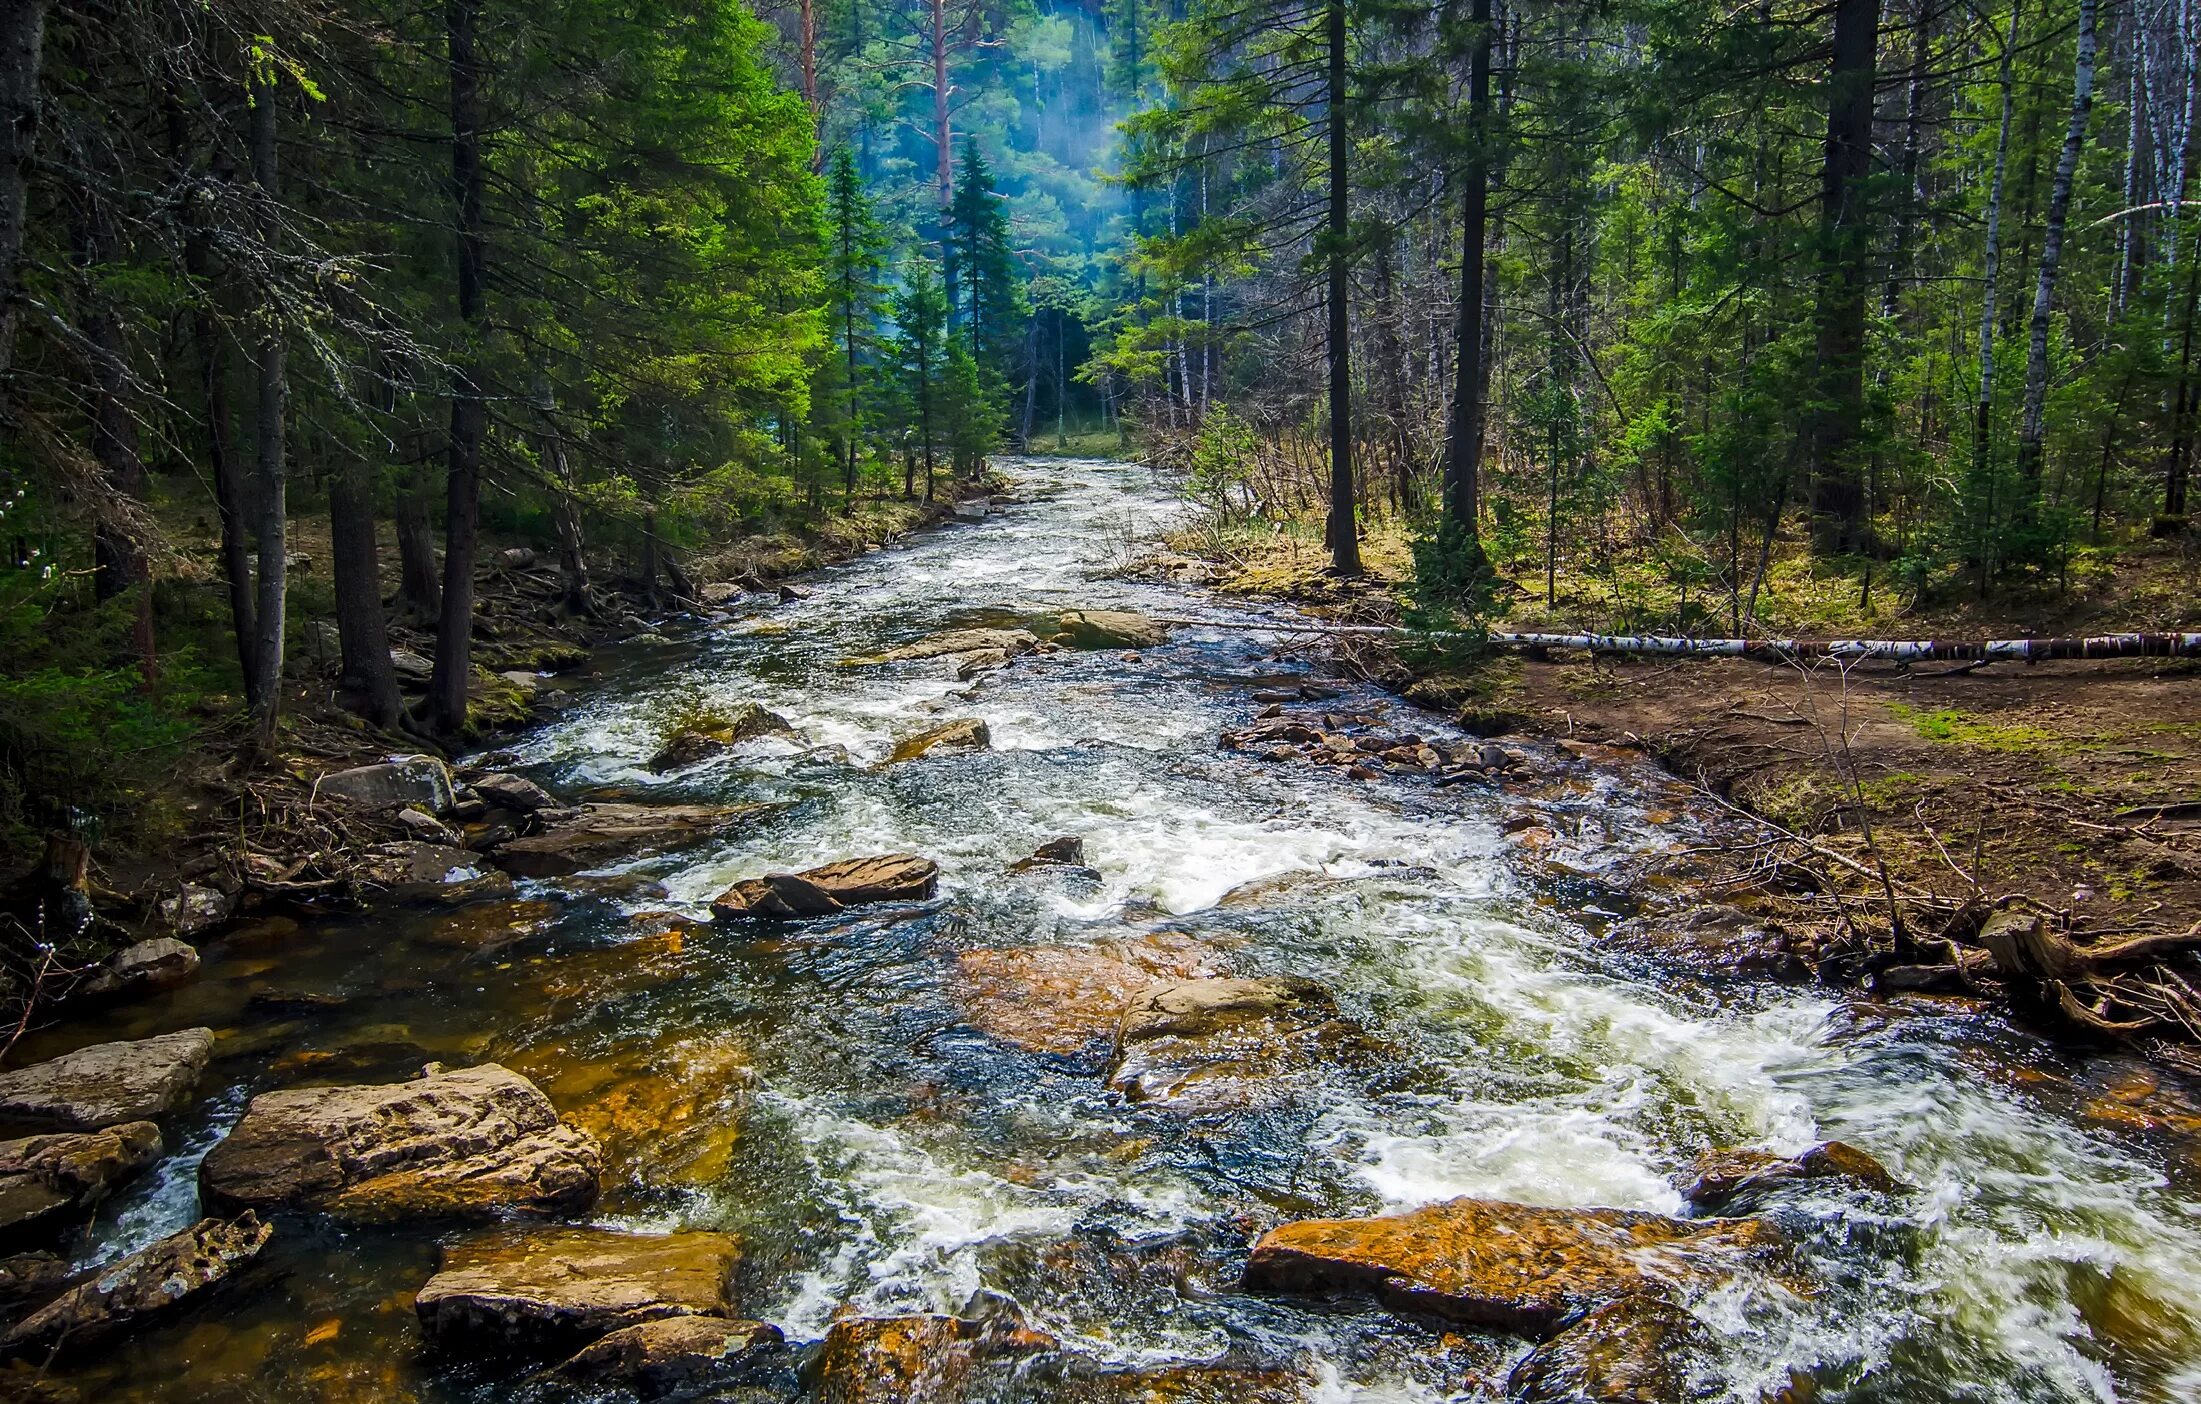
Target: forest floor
[2069,789]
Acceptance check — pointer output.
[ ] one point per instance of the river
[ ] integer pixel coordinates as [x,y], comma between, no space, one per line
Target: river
[836,1107]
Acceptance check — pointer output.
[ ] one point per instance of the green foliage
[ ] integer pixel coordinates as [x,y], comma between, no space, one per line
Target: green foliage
[1222,464]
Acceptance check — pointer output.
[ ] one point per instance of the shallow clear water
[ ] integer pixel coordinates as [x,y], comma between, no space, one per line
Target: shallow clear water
[882,1153]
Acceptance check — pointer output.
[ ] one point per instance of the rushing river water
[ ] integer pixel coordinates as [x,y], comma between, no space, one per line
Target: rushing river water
[830,1101]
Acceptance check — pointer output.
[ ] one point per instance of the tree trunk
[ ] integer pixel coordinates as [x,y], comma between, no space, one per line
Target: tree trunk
[22,45]
[1341,532]
[2032,428]
[1983,407]
[420,584]
[810,80]
[943,139]
[469,414]
[1838,501]
[361,630]
[271,498]
[1464,437]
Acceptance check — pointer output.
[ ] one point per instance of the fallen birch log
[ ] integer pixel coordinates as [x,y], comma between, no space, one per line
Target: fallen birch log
[1901,650]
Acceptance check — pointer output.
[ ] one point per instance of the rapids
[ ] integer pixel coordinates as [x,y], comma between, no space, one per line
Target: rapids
[891,1157]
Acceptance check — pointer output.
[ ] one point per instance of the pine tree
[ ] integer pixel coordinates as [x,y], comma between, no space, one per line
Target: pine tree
[855,258]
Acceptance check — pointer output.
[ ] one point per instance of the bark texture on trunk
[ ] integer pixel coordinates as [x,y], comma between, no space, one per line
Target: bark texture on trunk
[271,496]
[1838,499]
[1342,534]
[419,574]
[2032,427]
[22,45]
[361,630]
[1464,437]
[469,414]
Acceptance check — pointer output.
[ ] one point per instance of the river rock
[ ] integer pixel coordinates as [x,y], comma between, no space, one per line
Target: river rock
[592,835]
[820,891]
[670,1353]
[1008,642]
[514,792]
[27,1279]
[1723,1178]
[196,909]
[1110,628]
[431,872]
[1184,1384]
[665,1114]
[1632,1351]
[472,1143]
[417,780]
[699,741]
[426,827]
[47,1182]
[173,1273]
[107,1084]
[720,593]
[959,737]
[159,964]
[559,1288]
[1517,1267]
[926,1359]
[1070,999]
[1213,1044]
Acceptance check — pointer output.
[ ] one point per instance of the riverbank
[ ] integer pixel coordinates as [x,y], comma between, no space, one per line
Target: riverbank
[1881,824]
[215,838]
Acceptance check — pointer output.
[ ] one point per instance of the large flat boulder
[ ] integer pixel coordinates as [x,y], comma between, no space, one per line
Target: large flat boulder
[48,1182]
[1517,1267]
[478,1142]
[1070,999]
[1215,1044]
[143,968]
[821,891]
[513,792]
[559,1288]
[1632,1351]
[158,1281]
[107,1084]
[670,1353]
[593,835]
[421,781]
[700,739]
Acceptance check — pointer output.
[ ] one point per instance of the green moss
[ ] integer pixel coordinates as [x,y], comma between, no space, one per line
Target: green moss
[1967,730]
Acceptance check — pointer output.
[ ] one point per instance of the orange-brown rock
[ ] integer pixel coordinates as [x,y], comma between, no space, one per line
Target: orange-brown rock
[592,835]
[914,1359]
[550,1288]
[821,891]
[1070,999]
[664,1114]
[1214,1043]
[48,1181]
[172,1274]
[1517,1267]
[1186,1384]
[960,737]
[488,926]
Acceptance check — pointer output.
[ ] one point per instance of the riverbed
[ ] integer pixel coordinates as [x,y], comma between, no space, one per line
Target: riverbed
[823,1090]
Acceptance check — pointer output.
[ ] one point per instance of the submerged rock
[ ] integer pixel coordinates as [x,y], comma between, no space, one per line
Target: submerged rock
[1725,1177]
[1216,1043]
[1632,1351]
[107,1084]
[559,1288]
[1184,1384]
[925,1359]
[1517,1267]
[472,1143]
[156,1281]
[658,1357]
[1070,999]
[1110,628]
[664,1114]
[821,891]
[592,835]
[959,737]
[27,1279]
[48,1182]
[417,780]
[490,926]
[1067,851]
